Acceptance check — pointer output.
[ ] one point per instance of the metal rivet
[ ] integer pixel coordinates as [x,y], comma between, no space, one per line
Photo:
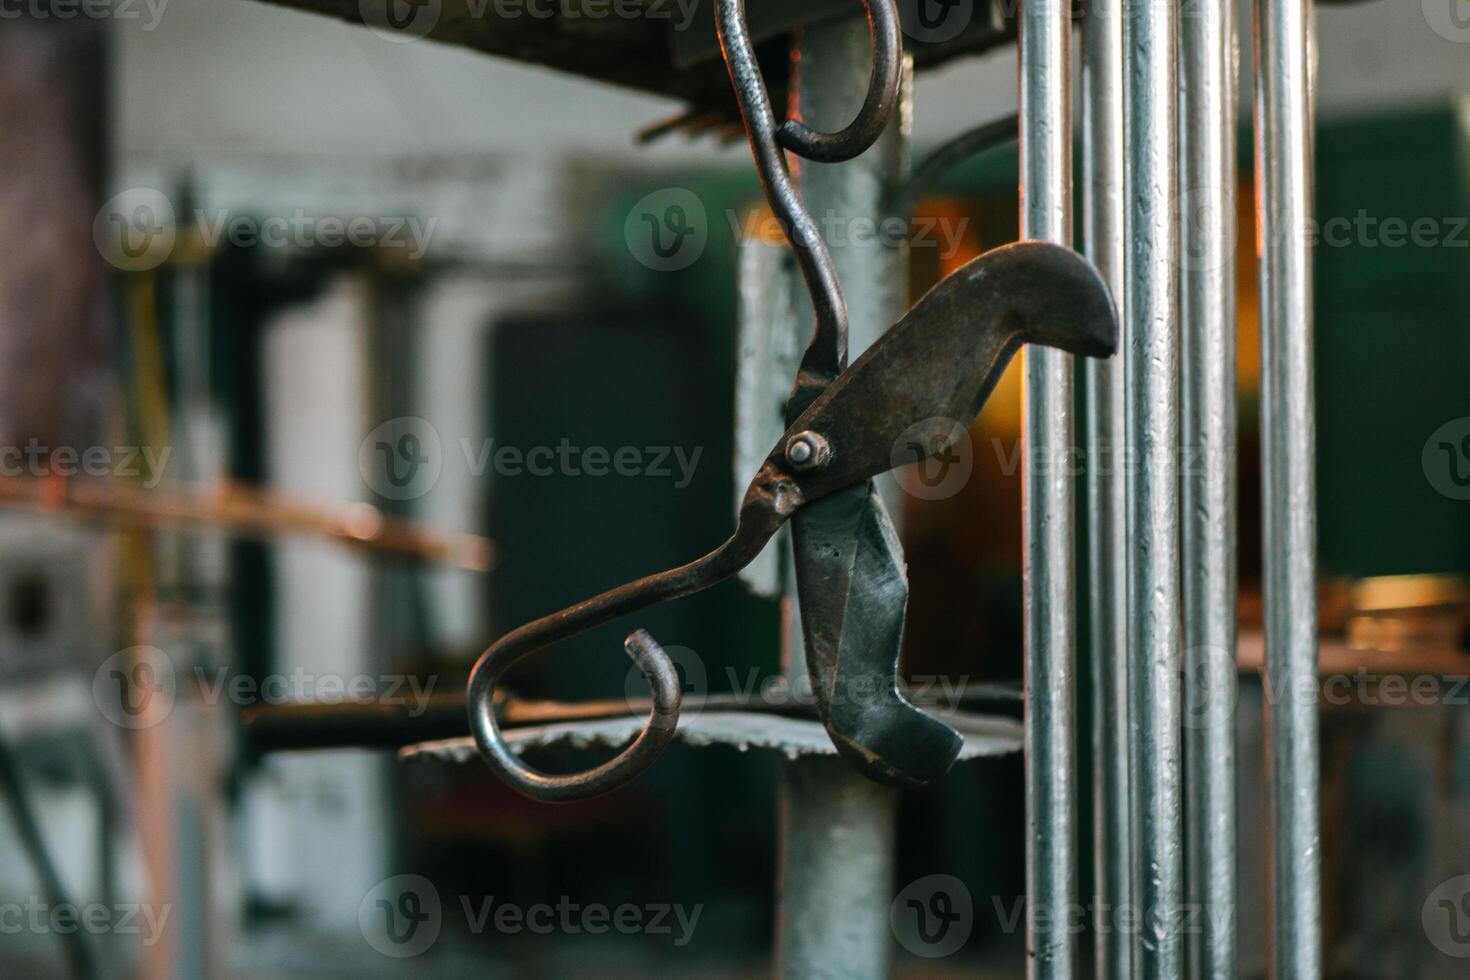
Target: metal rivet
[807,451]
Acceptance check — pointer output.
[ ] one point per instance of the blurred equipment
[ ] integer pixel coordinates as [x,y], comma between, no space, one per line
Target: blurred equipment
[248,512]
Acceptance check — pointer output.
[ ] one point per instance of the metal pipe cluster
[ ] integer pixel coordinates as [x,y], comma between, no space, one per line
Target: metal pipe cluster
[1158,173]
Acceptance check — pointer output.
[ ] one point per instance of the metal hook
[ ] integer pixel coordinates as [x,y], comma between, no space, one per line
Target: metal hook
[939,361]
[826,356]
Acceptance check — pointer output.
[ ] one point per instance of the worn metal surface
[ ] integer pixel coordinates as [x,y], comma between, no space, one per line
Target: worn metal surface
[1207,314]
[1107,515]
[423,716]
[1048,527]
[1151,337]
[985,736]
[1283,32]
[668,48]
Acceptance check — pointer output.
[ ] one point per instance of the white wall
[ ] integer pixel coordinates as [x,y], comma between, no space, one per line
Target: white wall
[237,77]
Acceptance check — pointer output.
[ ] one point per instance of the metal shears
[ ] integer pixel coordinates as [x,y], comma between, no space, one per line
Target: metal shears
[897,404]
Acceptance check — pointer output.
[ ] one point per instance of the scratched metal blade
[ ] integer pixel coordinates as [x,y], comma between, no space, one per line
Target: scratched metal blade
[899,402]
[854,592]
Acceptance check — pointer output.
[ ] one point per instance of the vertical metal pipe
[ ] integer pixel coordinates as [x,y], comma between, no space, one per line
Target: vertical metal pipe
[1151,335]
[837,827]
[1047,498]
[1207,313]
[1283,116]
[1107,525]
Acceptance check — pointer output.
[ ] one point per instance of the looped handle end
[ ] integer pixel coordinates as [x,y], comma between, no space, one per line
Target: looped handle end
[663,719]
[864,130]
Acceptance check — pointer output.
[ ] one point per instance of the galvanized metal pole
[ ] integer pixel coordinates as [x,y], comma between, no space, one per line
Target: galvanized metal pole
[1107,524]
[1207,311]
[1283,43]
[837,826]
[1048,527]
[1151,332]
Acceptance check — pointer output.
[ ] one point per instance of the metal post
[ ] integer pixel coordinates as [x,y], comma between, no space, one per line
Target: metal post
[1048,526]
[1283,44]
[1151,332]
[837,827]
[1207,313]
[1102,224]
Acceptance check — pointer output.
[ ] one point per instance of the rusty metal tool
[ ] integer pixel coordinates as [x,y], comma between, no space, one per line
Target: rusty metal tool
[897,404]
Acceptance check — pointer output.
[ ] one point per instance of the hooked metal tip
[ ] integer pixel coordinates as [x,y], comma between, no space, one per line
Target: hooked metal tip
[933,369]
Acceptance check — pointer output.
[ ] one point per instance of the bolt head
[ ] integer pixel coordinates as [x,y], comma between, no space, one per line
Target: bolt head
[807,451]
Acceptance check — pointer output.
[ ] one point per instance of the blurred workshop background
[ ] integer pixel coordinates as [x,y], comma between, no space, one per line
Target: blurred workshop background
[328,358]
